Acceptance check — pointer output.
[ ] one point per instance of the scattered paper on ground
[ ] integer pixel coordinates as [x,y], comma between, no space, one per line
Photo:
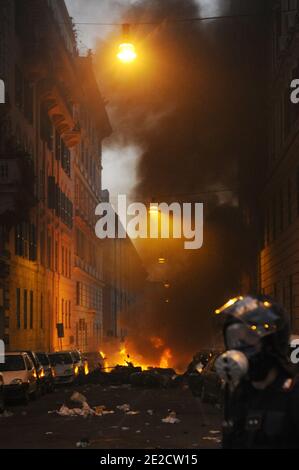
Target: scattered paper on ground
[171,419]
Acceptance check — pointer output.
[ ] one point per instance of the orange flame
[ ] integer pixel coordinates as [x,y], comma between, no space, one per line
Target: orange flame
[166,357]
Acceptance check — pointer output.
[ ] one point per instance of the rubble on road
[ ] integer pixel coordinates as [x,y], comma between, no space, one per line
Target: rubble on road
[6,414]
[212,439]
[171,419]
[125,408]
[78,397]
[155,377]
[85,409]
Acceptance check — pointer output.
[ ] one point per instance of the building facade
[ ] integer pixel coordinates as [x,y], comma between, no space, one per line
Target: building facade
[279,254]
[52,127]
[125,285]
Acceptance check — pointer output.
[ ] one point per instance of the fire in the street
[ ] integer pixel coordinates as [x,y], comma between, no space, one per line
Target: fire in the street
[125,356]
[166,357]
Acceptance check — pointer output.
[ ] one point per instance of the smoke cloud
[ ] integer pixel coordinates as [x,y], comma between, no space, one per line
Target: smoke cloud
[193,105]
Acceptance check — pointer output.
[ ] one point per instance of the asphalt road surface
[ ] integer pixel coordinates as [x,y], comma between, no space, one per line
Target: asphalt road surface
[34,427]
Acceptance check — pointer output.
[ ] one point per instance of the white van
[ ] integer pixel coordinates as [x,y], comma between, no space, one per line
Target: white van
[64,365]
[19,375]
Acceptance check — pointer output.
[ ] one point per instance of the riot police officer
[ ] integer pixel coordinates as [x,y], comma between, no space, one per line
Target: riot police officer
[261,389]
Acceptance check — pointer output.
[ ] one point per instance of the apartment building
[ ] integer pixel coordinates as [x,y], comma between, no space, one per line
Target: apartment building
[279,255]
[52,127]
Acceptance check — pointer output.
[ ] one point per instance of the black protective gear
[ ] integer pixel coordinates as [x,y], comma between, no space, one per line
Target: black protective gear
[262,403]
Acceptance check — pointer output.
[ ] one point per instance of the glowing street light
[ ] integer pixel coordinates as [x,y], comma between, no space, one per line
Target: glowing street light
[126,51]
[161,260]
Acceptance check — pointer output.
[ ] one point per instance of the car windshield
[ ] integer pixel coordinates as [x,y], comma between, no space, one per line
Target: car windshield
[76,356]
[13,364]
[61,358]
[43,359]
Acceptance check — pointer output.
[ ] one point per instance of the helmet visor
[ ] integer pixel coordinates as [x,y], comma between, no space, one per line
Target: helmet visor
[239,336]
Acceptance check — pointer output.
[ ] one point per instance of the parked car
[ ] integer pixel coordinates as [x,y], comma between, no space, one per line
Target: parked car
[66,370]
[20,377]
[80,362]
[40,372]
[205,383]
[48,370]
[1,394]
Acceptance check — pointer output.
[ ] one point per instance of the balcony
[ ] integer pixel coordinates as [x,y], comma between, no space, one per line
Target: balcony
[60,109]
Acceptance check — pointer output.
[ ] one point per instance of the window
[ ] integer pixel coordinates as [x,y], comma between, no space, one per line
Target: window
[29,365]
[289,201]
[41,312]
[70,315]
[281,211]
[49,252]
[70,264]
[56,256]
[31,310]
[42,248]
[78,293]
[66,262]
[46,127]
[65,158]
[28,101]
[274,219]
[32,243]
[18,308]
[25,310]
[62,261]
[18,88]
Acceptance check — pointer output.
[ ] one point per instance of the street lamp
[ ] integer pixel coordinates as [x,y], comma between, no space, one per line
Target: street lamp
[126,50]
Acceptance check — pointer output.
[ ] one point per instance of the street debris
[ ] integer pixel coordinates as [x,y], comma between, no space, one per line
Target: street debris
[6,414]
[212,439]
[84,412]
[78,397]
[155,377]
[215,432]
[125,429]
[150,412]
[171,419]
[102,411]
[125,408]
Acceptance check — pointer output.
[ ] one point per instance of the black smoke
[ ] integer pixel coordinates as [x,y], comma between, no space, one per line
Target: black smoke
[195,105]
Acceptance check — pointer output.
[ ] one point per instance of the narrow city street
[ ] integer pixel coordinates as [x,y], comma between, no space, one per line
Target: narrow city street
[34,427]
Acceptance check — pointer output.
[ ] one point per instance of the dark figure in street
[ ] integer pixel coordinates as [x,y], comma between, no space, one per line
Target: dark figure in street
[261,388]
